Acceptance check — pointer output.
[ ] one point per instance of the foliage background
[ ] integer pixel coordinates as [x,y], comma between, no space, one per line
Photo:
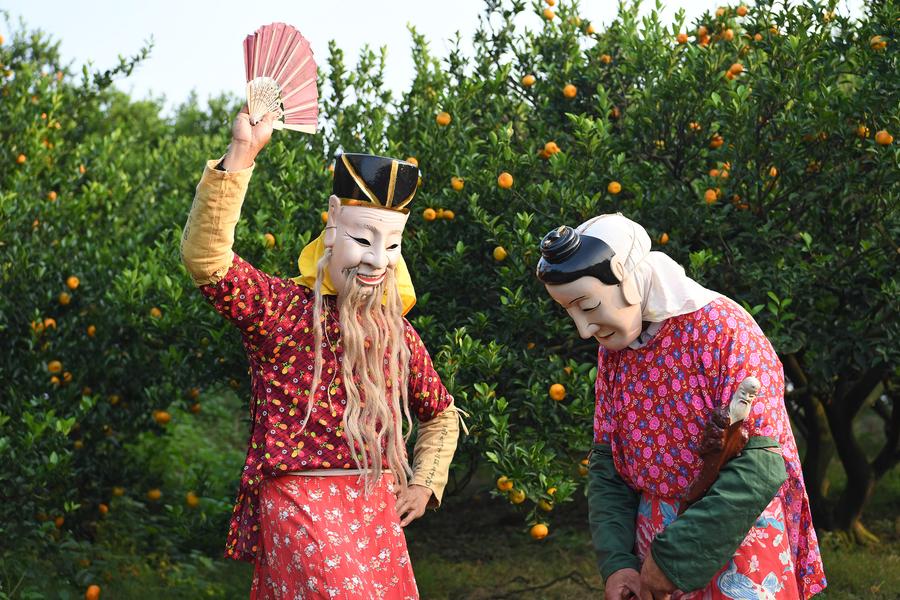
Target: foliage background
[794,213]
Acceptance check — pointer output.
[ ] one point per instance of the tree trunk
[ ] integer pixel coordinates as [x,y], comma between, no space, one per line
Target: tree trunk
[819,452]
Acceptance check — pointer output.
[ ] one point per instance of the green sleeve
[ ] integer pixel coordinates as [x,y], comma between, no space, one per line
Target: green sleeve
[701,541]
[612,510]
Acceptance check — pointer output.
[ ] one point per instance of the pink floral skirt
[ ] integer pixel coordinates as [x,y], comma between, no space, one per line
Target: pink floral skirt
[323,537]
[761,568]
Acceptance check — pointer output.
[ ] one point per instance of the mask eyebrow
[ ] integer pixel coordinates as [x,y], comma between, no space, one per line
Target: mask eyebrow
[374,229]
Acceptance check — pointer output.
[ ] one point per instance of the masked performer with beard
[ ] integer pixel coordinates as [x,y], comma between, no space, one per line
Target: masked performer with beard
[337,373]
[672,354]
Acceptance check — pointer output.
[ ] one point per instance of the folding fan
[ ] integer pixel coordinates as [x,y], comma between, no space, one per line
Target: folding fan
[281,78]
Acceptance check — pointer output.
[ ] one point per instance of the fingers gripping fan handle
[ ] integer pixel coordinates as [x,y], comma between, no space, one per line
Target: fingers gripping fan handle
[281,78]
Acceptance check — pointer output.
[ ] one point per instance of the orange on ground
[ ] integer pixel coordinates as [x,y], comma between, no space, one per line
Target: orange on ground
[443,118]
[500,254]
[64,298]
[528,80]
[269,240]
[557,391]
[54,366]
[504,484]
[614,187]
[883,138]
[429,214]
[505,180]
[457,183]
[569,90]
[539,531]
[92,593]
[155,313]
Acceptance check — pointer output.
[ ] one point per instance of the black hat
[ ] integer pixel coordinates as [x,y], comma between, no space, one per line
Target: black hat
[374,181]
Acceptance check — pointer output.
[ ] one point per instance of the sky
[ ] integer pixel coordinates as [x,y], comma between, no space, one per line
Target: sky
[198,44]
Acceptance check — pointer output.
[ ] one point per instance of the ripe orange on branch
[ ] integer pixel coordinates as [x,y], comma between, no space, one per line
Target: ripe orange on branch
[504,484]
[457,183]
[558,392]
[500,254]
[528,80]
[443,118]
[883,138]
[505,180]
[539,531]
[569,91]
[614,187]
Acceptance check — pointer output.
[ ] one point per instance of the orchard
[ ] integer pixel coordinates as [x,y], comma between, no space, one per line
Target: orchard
[756,145]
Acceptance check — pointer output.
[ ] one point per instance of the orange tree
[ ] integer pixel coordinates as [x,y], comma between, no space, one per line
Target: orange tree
[756,148]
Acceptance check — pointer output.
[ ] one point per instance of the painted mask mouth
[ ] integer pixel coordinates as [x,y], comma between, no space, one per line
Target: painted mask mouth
[370,280]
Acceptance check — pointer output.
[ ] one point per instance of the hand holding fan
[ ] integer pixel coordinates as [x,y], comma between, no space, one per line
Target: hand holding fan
[281,78]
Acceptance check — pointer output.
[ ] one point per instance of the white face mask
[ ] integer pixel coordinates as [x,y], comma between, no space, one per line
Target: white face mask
[362,238]
[599,311]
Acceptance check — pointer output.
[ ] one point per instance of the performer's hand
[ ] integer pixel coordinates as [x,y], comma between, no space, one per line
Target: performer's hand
[247,140]
[411,503]
[623,585]
[654,583]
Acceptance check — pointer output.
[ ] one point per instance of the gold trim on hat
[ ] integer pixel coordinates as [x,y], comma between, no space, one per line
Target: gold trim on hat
[395,166]
[359,181]
[366,204]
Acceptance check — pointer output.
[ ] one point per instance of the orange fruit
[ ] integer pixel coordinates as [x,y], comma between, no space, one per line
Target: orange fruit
[49,323]
[681,38]
[412,160]
[551,491]
[67,377]
[545,505]
[92,593]
[162,417]
[876,42]
[443,118]
[118,491]
[773,172]
[558,391]
[449,215]
[324,216]
[551,2]
[714,172]
[269,240]
[54,366]
[59,521]
[195,408]
[614,187]
[549,14]
[505,180]
[91,330]
[103,508]
[711,196]
[567,370]
[500,254]
[757,37]
[114,399]
[64,298]
[728,35]
[528,80]
[429,214]
[550,148]
[569,91]
[590,30]
[155,313]
[193,393]
[716,141]
[702,31]
[516,496]
[862,131]
[539,531]
[78,444]
[615,113]
[720,12]
[736,69]
[695,126]
[51,196]
[21,159]
[72,282]
[192,500]
[457,183]
[82,169]
[504,484]
[741,11]
[605,59]
[154,494]
[883,138]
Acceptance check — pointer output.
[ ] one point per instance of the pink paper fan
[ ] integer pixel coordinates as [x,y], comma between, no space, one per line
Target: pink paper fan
[281,77]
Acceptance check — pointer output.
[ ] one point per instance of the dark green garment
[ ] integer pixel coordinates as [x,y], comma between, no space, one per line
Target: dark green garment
[702,540]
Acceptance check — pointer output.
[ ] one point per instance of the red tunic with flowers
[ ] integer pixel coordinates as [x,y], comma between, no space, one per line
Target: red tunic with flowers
[654,402]
[275,318]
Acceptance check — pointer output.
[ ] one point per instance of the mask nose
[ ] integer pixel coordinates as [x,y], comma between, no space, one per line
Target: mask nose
[585,329]
[376,258]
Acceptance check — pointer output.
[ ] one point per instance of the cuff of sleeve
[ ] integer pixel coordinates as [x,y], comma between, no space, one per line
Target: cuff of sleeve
[617,562]
[433,453]
[242,176]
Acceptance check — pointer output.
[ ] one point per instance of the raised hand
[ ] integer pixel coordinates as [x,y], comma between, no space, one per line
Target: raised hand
[247,140]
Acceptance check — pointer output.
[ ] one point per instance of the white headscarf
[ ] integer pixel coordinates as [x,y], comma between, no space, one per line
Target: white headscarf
[664,288]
